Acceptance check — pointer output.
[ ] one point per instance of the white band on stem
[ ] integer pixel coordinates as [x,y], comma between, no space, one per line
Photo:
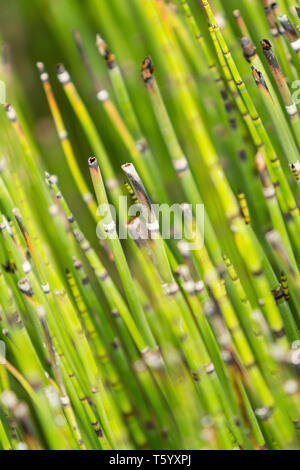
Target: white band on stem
[26,267]
[292,109]
[64,77]
[102,95]
[296,45]
[46,288]
[63,135]
[44,77]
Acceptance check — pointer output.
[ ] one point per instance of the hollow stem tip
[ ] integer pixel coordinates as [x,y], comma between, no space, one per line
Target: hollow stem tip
[136,183]
[147,71]
[93,163]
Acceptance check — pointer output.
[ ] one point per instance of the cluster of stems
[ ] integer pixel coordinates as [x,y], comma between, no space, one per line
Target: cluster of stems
[148,341]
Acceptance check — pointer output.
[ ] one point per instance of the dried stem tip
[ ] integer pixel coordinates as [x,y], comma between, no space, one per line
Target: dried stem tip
[259,79]
[266,45]
[268,53]
[279,78]
[147,71]
[105,52]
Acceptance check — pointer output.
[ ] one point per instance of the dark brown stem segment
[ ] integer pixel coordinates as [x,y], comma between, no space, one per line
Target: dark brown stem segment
[248,47]
[260,81]
[278,77]
[147,72]
[290,33]
[288,28]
